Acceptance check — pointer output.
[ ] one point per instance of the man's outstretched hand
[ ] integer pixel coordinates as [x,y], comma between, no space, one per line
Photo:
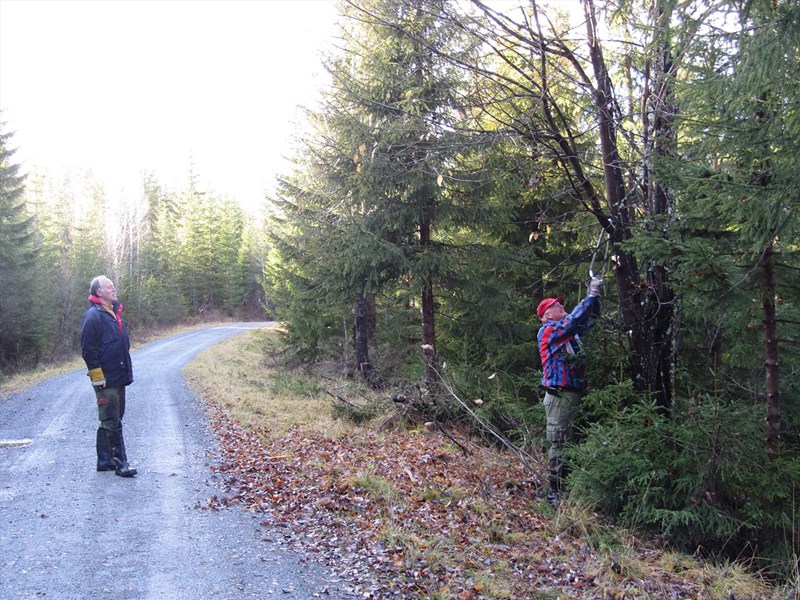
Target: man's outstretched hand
[594,286]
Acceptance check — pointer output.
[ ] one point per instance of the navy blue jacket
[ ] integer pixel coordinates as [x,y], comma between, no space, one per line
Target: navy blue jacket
[105,344]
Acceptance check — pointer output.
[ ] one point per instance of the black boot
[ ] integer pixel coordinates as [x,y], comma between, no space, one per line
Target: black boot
[554,495]
[118,453]
[556,474]
[104,460]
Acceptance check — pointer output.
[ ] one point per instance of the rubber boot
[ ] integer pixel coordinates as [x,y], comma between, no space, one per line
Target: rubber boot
[554,495]
[104,460]
[118,453]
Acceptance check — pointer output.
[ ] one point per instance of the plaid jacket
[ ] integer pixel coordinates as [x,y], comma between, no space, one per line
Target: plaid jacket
[560,346]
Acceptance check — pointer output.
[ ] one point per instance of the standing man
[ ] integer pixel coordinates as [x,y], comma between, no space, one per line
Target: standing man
[105,347]
[563,373]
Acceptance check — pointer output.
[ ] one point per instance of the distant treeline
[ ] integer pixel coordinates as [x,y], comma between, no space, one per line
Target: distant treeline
[174,256]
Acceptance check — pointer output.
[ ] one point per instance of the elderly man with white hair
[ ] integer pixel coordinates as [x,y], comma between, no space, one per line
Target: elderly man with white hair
[105,347]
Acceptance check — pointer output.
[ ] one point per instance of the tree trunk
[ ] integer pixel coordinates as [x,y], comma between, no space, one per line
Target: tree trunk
[429,332]
[361,337]
[646,304]
[665,144]
[773,418]
[771,358]
[428,313]
[372,317]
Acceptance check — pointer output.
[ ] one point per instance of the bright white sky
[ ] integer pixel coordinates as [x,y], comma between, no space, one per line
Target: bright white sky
[127,86]
[123,87]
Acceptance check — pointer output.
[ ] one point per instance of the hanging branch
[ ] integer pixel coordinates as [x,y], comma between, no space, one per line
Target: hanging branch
[523,457]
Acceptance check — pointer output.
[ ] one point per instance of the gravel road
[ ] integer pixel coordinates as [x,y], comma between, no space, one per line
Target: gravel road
[67,531]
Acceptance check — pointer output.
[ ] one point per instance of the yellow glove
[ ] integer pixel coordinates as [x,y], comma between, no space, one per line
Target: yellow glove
[97,377]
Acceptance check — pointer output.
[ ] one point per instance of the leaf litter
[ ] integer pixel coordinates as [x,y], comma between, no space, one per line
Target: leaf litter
[402,515]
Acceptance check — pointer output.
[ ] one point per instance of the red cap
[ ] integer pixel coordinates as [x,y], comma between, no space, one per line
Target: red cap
[547,303]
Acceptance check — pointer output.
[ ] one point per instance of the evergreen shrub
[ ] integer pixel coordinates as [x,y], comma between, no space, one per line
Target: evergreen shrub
[701,477]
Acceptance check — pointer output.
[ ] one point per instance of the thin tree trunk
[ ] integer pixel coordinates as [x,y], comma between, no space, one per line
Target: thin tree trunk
[372,316]
[661,311]
[773,417]
[361,337]
[771,356]
[429,332]
[428,313]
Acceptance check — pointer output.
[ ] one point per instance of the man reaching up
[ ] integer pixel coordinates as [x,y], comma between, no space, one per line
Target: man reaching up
[563,373]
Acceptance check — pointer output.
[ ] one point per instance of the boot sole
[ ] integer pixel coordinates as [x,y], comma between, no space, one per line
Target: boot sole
[126,473]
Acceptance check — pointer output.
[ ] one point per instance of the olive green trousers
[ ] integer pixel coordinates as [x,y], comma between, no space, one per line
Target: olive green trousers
[561,411]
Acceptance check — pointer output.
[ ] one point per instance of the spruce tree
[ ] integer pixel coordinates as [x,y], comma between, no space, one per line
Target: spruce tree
[384,147]
[20,337]
[210,269]
[742,207]
[159,283]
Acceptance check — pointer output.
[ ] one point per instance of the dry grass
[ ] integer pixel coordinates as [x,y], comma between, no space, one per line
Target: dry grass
[22,381]
[626,557]
[241,375]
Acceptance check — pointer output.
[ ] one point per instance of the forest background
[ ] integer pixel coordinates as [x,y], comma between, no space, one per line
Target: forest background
[467,160]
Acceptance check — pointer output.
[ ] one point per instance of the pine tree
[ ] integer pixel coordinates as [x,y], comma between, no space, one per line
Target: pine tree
[70,213]
[160,300]
[405,152]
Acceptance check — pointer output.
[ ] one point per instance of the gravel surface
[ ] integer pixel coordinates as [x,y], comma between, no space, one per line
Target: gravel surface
[67,531]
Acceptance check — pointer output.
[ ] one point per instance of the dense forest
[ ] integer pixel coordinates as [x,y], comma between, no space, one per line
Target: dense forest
[466,160]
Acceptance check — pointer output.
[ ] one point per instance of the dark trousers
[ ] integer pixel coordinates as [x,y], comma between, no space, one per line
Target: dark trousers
[111,407]
[111,454]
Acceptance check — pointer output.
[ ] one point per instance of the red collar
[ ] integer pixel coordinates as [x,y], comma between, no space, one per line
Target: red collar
[115,310]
